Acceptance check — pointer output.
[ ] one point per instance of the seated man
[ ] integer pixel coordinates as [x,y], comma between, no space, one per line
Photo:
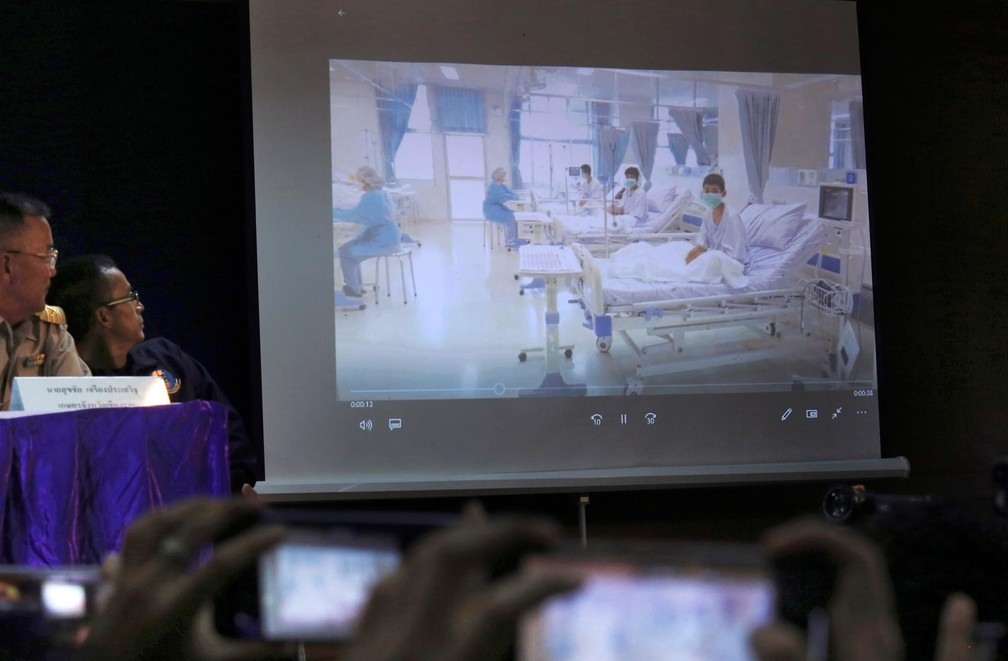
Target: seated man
[105,314]
[34,335]
[632,208]
[722,229]
[589,192]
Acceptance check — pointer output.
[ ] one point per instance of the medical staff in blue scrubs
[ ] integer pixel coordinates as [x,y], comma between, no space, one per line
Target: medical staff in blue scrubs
[380,235]
[493,206]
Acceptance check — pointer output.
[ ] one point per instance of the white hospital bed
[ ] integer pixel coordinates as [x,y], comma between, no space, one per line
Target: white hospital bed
[665,214]
[781,240]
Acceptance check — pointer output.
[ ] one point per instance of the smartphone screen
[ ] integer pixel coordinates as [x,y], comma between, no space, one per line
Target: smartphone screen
[313,587]
[658,607]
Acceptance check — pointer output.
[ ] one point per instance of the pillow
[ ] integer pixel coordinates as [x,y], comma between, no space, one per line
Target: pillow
[658,200]
[772,225]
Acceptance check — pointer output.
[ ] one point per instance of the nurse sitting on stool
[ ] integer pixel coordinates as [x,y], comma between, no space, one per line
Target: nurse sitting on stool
[380,235]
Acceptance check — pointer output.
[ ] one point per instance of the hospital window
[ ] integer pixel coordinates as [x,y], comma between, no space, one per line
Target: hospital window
[556,134]
[415,157]
[840,156]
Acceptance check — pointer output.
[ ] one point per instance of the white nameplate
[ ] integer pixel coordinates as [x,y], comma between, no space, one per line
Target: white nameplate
[74,393]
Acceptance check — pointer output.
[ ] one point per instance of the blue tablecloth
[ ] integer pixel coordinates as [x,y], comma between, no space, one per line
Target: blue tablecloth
[70,483]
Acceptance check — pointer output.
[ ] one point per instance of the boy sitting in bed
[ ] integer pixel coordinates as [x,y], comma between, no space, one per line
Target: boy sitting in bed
[631,210]
[722,228]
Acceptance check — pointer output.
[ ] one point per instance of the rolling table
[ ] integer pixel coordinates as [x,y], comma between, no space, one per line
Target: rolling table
[550,263]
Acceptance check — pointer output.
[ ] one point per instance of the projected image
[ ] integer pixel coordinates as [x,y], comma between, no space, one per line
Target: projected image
[513,231]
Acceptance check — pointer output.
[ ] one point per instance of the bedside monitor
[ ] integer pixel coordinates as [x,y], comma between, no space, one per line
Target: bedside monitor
[836,202]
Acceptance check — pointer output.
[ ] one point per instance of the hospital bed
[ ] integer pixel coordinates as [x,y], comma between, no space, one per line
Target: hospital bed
[665,213]
[781,240]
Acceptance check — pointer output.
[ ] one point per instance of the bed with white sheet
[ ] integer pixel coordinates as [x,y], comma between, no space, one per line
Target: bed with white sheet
[627,299]
[665,211]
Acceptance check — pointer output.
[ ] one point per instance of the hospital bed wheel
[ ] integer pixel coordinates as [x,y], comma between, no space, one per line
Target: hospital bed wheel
[634,387]
[568,353]
[522,356]
[603,344]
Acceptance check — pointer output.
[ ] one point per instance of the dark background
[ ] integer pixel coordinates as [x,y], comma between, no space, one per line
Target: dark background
[131,119]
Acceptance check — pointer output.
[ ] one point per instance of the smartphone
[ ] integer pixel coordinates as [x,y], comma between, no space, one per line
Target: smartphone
[42,611]
[647,601]
[314,585]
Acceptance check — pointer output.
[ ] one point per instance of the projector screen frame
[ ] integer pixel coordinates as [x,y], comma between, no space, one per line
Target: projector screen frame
[699,475]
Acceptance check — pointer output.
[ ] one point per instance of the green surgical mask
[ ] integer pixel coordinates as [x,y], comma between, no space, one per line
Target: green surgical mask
[712,199]
[630,183]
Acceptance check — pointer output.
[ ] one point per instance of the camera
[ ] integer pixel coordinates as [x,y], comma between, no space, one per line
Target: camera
[43,609]
[315,583]
[846,503]
[637,600]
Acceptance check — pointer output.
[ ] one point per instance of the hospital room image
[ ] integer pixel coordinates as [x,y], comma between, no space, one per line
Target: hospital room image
[540,231]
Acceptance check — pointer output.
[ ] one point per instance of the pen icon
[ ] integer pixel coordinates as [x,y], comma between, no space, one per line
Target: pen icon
[786,414]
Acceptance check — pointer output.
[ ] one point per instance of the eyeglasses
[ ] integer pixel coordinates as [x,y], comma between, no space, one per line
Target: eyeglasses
[49,255]
[133,295]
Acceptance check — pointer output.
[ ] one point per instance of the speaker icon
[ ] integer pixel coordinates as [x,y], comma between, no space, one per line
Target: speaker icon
[366,425]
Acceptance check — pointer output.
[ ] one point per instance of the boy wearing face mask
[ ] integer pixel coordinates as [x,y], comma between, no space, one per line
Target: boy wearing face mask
[589,190]
[632,207]
[722,228]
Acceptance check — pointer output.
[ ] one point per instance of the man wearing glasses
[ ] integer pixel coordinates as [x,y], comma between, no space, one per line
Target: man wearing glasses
[33,336]
[105,314]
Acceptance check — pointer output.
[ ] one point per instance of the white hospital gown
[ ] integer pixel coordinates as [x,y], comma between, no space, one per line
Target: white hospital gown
[728,236]
[634,204]
[589,190]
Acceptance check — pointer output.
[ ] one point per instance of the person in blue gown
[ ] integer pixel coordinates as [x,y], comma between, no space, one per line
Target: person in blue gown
[380,235]
[493,206]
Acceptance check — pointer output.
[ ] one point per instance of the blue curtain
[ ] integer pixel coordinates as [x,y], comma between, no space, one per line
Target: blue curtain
[599,118]
[646,141]
[690,122]
[678,145]
[460,110]
[857,133]
[394,108]
[612,146]
[758,112]
[514,125]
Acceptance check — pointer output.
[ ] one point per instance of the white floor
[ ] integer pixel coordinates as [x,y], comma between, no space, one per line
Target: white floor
[462,334]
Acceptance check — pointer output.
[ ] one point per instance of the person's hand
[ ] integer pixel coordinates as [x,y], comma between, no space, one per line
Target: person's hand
[863,623]
[694,253]
[249,491]
[442,604]
[955,629]
[157,608]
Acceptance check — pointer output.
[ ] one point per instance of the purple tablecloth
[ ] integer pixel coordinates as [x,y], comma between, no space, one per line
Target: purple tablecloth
[70,483]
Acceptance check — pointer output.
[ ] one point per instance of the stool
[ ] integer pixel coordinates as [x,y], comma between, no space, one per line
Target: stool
[492,229]
[404,256]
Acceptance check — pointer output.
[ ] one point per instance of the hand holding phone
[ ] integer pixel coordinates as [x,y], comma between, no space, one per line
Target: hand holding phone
[650,601]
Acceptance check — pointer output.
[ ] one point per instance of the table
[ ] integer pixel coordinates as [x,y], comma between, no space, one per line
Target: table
[550,263]
[70,483]
[533,225]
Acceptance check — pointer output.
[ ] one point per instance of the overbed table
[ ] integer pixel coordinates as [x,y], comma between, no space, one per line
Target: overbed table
[550,263]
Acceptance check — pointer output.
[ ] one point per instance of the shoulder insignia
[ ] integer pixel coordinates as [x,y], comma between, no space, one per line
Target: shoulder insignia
[172,383]
[52,315]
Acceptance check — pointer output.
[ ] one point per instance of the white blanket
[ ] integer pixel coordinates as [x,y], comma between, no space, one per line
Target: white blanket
[667,263]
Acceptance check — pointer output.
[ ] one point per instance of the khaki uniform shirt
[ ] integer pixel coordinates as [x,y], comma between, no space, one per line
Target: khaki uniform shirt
[38,346]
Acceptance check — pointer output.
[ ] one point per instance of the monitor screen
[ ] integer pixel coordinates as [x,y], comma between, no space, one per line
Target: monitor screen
[836,202]
[528,330]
